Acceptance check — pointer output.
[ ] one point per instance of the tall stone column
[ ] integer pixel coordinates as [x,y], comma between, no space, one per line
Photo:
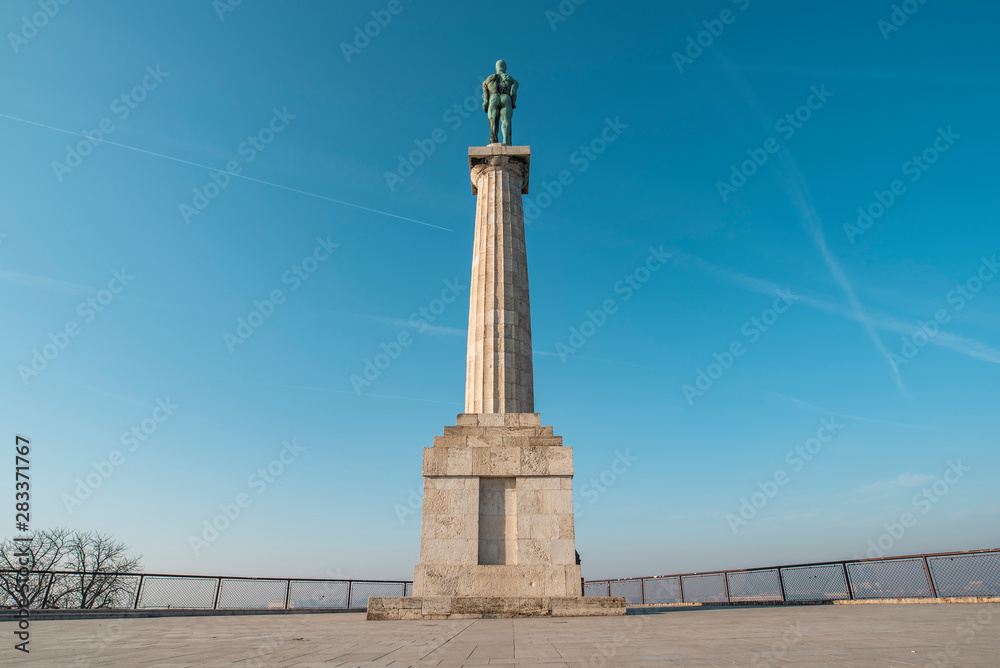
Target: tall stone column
[498,375]
[496,531]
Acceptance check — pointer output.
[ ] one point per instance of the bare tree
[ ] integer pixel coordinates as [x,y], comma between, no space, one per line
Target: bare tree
[44,552]
[101,562]
[101,566]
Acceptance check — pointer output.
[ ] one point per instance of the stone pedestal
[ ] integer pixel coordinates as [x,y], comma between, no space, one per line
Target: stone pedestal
[498,511]
[497,537]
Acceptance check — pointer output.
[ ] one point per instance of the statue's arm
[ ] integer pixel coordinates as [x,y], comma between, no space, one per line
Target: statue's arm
[486,96]
[513,94]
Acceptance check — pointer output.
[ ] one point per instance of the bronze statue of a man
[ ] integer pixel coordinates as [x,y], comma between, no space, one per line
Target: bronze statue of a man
[499,102]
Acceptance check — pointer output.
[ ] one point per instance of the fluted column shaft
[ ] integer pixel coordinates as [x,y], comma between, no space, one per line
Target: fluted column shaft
[499,371]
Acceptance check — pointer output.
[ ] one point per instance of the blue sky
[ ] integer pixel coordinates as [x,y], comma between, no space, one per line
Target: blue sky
[898,122]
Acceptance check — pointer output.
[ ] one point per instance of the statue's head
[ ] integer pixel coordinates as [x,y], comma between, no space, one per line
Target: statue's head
[501,67]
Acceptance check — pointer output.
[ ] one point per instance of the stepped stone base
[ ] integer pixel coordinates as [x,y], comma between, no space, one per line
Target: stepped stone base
[484,607]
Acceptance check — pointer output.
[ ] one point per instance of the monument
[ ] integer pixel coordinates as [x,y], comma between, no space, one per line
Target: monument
[496,538]
[499,102]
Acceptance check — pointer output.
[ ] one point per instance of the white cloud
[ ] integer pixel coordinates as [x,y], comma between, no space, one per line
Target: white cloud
[883,488]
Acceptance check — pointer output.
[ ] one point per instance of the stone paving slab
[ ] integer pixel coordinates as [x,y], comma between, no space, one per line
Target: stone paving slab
[877,635]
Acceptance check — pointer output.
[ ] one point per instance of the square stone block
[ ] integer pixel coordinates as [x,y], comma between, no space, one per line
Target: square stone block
[556,501]
[482,441]
[496,462]
[464,501]
[491,419]
[450,441]
[436,501]
[555,580]
[470,483]
[449,526]
[560,461]
[566,529]
[563,551]
[538,483]
[435,461]
[533,551]
[436,605]
[459,461]
[450,550]
[529,501]
[543,527]
[516,439]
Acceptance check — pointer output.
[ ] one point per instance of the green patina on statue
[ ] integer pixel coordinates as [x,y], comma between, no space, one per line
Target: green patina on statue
[499,102]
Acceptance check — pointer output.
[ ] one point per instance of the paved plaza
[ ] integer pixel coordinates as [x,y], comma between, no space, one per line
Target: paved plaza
[871,635]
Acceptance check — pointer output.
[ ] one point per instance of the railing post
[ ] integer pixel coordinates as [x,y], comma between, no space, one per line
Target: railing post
[680,582]
[781,583]
[642,591]
[725,576]
[218,590]
[350,584]
[847,579]
[138,593]
[930,578]
[48,588]
[288,591]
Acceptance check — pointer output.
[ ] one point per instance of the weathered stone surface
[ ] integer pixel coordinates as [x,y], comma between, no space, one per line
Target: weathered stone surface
[482,435]
[535,578]
[499,376]
[498,461]
[486,607]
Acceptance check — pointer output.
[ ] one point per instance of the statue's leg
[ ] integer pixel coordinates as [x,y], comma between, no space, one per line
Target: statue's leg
[505,115]
[494,117]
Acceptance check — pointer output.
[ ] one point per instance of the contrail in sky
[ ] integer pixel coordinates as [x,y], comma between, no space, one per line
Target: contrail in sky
[222,171]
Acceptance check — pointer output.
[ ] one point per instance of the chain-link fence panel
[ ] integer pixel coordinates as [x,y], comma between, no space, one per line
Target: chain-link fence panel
[704,588]
[409,589]
[330,594]
[68,590]
[111,591]
[662,590]
[967,574]
[747,586]
[35,584]
[62,592]
[177,592]
[631,590]
[595,588]
[892,578]
[815,583]
[251,594]
[361,591]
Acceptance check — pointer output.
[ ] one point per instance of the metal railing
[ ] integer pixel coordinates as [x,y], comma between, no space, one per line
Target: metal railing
[944,574]
[144,591]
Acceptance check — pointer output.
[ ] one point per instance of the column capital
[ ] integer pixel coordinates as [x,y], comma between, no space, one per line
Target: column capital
[516,158]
